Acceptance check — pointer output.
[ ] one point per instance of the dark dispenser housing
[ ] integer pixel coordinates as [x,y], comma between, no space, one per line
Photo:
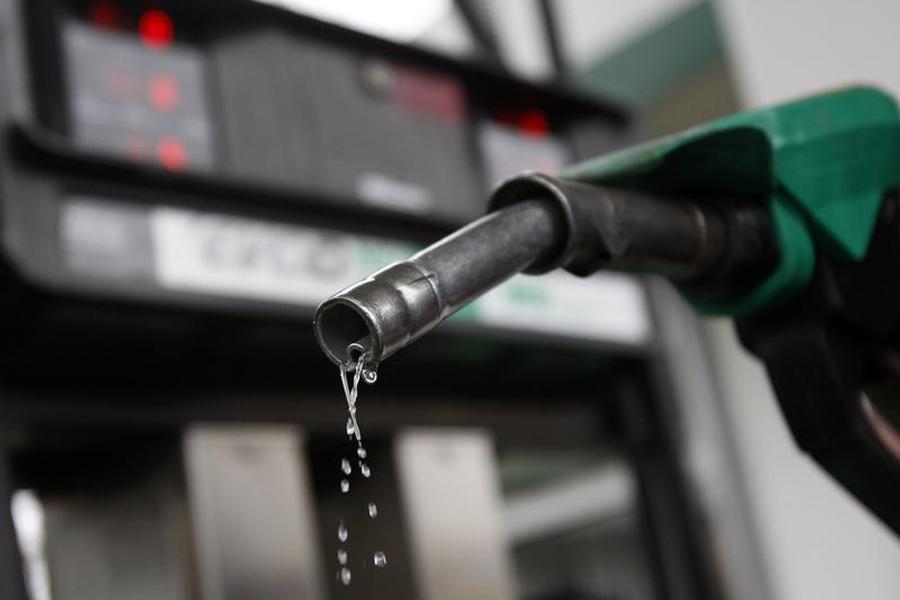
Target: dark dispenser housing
[181,183]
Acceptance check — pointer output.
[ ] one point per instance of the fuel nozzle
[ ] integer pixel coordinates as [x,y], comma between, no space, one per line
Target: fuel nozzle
[539,223]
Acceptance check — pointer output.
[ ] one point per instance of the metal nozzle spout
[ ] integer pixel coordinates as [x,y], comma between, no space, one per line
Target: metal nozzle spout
[380,314]
[541,223]
[397,305]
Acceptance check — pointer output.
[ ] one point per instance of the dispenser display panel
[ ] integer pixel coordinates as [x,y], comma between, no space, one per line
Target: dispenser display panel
[134,90]
[518,139]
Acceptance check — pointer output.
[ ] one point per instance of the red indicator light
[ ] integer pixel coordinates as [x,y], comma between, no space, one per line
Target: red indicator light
[104,14]
[534,122]
[156,29]
[171,153]
[427,94]
[164,92]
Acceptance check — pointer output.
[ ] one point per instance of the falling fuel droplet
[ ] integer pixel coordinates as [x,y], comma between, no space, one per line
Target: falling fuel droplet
[345,486]
[361,452]
[364,469]
[342,556]
[345,466]
[346,576]
[370,376]
[379,559]
[342,532]
[373,510]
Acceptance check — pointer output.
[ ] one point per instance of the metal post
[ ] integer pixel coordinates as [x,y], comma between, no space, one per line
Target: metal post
[552,36]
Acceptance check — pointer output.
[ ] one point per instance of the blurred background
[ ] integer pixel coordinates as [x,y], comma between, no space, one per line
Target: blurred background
[183,182]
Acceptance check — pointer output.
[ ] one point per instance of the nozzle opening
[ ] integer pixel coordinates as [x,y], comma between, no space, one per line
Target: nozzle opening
[342,331]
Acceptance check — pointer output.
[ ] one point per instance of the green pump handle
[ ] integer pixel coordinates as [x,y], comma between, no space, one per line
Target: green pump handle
[821,164]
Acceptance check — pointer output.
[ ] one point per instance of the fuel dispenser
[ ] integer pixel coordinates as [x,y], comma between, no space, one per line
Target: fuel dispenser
[181,183]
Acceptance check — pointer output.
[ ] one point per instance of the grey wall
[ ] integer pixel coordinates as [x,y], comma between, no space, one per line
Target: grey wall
[819,543]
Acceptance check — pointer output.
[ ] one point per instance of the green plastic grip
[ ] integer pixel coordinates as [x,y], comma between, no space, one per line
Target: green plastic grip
[822,165]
